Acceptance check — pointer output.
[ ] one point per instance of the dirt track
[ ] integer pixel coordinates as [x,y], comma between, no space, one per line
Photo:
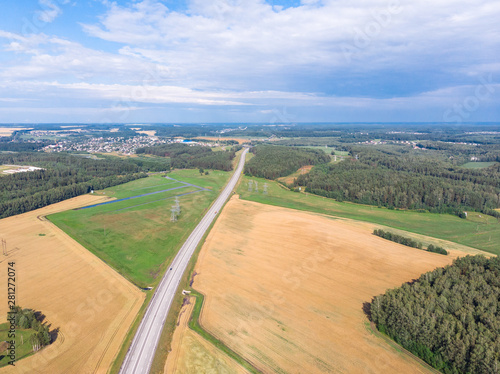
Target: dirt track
[91,304]
[286,289]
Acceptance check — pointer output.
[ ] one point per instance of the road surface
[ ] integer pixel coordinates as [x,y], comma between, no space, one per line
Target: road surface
[142,350]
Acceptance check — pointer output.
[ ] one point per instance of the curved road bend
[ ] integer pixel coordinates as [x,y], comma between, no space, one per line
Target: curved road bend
[142,350]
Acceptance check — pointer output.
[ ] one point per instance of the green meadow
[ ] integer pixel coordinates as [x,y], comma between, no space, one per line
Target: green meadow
[478,165]
[22,341]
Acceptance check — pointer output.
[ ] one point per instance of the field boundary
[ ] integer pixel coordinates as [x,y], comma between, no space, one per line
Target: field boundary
[195,325]
[117,273]
[373,329]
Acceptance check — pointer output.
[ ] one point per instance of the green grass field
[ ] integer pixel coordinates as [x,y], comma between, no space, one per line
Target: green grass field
[477,231]
[23,346]
[136,236]
[478,165]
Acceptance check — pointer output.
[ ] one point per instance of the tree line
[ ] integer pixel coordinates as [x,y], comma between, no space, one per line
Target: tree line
[183,156]
[406,181]
[408,241]
[449,317]
[273,162]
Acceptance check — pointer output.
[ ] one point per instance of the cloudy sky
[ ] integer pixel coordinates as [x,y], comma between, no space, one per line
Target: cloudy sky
[249,61]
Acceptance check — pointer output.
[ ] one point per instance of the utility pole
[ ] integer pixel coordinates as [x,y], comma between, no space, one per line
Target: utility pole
[4,247]
[265,188]
[173,216]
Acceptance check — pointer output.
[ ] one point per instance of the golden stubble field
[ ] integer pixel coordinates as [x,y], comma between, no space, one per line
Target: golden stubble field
[91,304]
[285,289]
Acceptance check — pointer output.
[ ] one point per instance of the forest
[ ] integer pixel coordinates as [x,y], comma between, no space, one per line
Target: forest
[65,176]
[449,317]
[183,156]
[272,162]
[407,180]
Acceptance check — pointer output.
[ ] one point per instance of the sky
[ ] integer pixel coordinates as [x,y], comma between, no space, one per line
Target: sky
[246,61]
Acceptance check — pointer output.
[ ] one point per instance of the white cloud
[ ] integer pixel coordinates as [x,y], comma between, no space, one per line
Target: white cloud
[234,43]
[49,12]
[326,53]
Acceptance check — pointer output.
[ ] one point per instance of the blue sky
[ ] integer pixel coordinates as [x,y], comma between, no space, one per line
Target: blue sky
[249,61]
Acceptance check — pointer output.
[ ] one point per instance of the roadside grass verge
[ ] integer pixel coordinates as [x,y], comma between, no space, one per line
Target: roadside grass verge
[194,324]
[164,345]
[117,363]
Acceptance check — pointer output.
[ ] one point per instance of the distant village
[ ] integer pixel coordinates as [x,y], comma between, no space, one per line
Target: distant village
[125,146]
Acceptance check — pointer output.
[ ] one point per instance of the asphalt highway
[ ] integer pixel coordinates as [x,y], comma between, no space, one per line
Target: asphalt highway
[142,350]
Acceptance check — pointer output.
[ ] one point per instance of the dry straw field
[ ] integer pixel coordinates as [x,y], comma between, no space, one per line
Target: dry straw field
[91,305]
[285,289]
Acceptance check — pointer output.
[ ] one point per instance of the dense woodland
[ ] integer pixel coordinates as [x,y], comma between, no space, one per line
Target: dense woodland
[183,156]
[272,162]
[406,180]
[65,176]
[449,317]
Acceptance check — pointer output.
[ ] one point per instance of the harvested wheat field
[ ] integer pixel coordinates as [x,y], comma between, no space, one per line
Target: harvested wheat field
[191,354]
[91,305]
[285,289]
[148,133]
[7,131]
